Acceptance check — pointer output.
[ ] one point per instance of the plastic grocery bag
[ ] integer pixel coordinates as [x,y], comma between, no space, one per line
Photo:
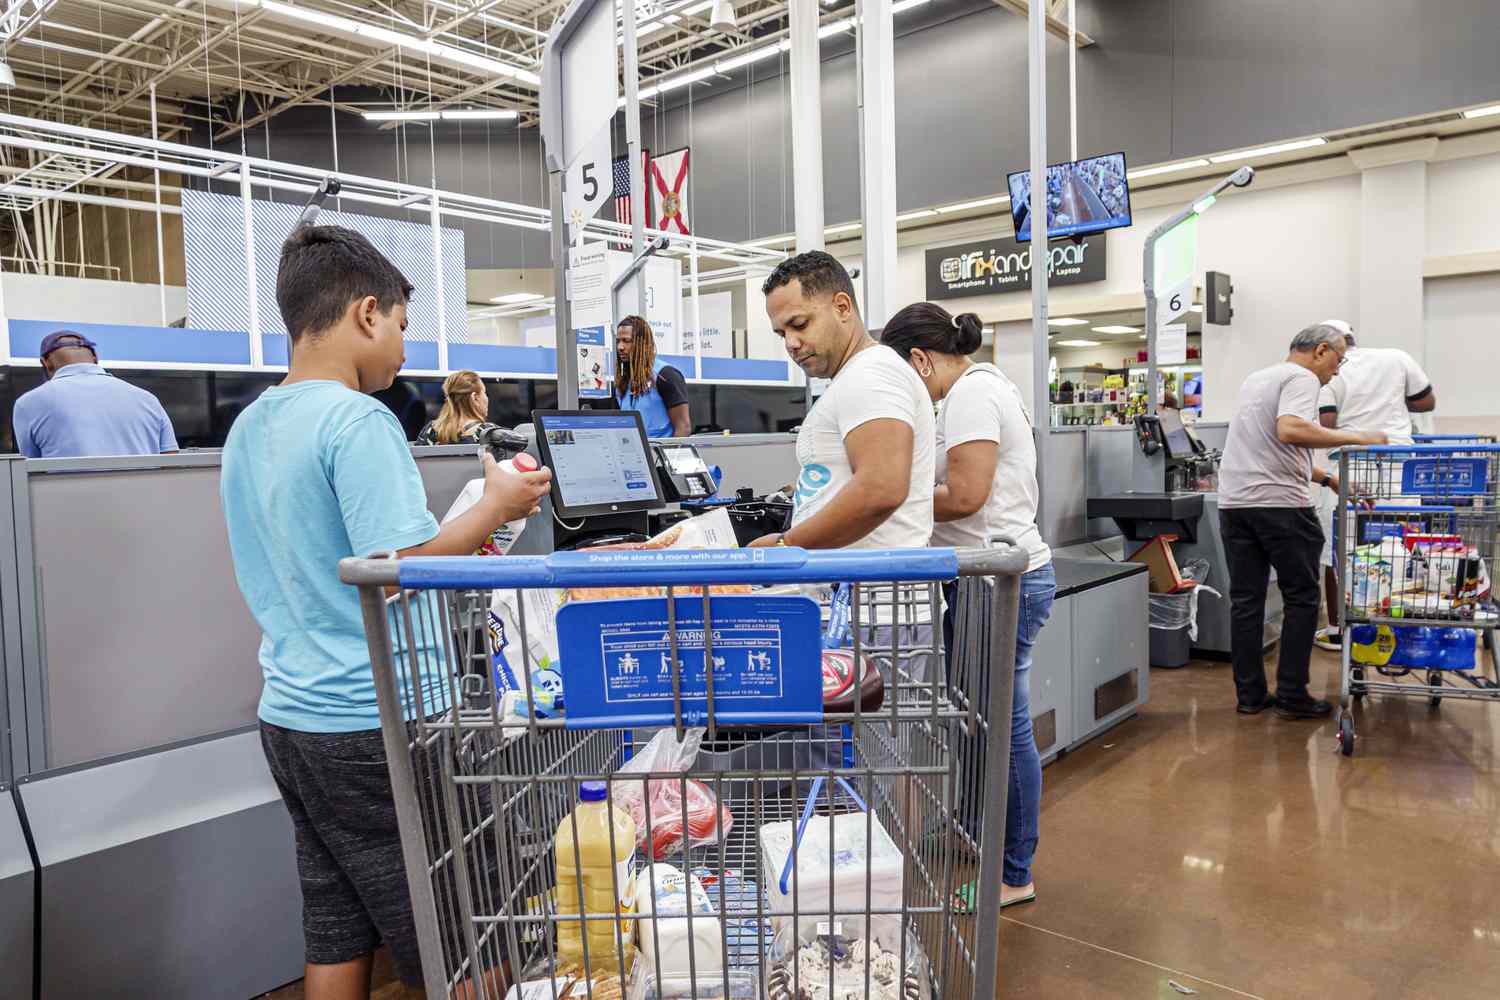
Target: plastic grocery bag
[1173,611]
[510,655]
[705,817]
[803,964]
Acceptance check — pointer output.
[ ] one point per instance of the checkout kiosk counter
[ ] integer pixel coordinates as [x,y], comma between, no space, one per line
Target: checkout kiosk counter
[1173,479]
[144,849]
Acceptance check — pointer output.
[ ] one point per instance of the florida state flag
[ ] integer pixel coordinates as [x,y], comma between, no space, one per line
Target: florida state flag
[669,185]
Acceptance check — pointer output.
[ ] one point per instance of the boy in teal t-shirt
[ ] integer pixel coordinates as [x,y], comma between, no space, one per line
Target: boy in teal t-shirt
[314,471]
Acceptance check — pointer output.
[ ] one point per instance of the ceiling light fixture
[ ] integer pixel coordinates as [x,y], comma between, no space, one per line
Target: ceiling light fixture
[965,206]
[1067,321]
[686,79]
[304,14]
[481,115]
[1079,343]
[723,17]
[1116,328]
[515,298]
[401,116]
[1485,112]
[746,58]
[835,27]
[388,36]
[905,5]
[1166,168]
[7,75]
[1259,151]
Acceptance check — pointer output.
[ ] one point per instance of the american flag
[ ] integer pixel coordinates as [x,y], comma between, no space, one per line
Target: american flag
[621,170]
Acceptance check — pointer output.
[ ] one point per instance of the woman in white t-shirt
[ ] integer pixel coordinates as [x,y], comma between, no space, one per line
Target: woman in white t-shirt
[986,489]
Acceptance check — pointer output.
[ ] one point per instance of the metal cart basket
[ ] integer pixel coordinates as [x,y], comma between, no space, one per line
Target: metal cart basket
[1416,543]
[837,839]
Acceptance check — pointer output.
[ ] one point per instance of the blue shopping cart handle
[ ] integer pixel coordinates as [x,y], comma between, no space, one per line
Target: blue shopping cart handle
[1380,508]
[678,567]
[1462,450]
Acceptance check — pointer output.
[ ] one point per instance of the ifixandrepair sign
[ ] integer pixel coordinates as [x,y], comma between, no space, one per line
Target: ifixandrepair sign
[992,267]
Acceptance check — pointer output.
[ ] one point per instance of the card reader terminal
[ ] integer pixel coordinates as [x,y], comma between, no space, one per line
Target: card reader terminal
[682,472]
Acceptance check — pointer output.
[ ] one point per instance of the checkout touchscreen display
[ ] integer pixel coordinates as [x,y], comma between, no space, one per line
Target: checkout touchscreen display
[685,462]
[599,459]
[1179,445]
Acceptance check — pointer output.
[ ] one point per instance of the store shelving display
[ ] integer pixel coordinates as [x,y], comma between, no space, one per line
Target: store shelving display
[1110,395]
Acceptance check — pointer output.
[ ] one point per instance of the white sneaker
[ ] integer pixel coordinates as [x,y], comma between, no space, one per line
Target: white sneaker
[1329,638]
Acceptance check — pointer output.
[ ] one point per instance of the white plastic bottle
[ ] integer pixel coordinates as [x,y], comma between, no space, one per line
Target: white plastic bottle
[503,537]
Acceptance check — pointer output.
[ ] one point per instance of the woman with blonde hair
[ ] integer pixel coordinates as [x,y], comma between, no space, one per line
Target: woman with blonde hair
[647,384]
[462,418]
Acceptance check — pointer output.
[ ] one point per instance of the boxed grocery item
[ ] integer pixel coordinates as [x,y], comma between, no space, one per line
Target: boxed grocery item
[669,946]
[743,984]
[861,848]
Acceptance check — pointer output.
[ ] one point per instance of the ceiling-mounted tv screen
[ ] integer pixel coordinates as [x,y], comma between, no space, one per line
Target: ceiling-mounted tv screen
[1083,196]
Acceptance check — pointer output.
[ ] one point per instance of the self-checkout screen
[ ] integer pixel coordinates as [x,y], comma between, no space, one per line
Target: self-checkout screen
[1179,444]
[598,459]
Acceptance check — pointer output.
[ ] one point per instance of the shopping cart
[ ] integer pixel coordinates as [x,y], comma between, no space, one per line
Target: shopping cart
[1416,543]
[1453,440]
[849,833]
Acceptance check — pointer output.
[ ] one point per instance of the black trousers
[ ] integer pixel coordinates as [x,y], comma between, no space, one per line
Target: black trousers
[1257,539]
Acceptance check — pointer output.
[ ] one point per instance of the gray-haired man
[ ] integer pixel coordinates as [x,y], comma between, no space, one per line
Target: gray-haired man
[1267,520]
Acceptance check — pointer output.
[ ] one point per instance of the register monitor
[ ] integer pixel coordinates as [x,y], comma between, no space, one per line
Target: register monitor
[600,462]
[1180,441]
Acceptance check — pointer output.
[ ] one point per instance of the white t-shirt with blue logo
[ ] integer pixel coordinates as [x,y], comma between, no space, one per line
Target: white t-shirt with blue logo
[875,384]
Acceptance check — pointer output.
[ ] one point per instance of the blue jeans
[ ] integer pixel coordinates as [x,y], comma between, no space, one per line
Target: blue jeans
[1024,796]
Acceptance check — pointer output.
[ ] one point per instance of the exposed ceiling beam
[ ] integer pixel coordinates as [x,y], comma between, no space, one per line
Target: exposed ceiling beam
[15,22]
[1055,27]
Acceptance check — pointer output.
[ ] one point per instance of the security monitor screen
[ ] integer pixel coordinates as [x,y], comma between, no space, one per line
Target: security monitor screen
[1179,445]
[598,458]
[1083,196]
[685,461]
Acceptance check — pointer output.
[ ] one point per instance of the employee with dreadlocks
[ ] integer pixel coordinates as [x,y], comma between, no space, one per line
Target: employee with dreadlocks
[650,386]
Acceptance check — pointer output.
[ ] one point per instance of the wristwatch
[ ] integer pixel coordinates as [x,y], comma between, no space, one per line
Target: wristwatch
[1326,480]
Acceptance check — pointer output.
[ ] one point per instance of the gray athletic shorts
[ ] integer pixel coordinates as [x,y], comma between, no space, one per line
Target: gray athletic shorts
[354,892]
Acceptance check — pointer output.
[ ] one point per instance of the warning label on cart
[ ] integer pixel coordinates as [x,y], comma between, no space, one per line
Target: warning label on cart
[619,663]
[1443,476]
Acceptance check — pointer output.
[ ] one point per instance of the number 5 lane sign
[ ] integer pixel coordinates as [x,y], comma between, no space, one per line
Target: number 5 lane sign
[589,183]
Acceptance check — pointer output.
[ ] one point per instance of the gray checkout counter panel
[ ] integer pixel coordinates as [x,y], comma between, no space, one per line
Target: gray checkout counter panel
[1089,666]
[130,683]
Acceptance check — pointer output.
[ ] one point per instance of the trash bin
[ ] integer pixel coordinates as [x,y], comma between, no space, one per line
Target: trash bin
[1173,618]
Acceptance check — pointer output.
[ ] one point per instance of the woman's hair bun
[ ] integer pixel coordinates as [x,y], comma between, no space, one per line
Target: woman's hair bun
[970,333]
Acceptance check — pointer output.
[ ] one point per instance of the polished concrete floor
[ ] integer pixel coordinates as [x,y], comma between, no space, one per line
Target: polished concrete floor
[1239,856]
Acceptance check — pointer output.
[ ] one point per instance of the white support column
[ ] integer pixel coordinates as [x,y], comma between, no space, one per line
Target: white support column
[807,126]
[878,114]
[1036,62]
[161,252]
[1392,244]
[252,292]
[697,310]
[4,327]
[437,281]
[632,73]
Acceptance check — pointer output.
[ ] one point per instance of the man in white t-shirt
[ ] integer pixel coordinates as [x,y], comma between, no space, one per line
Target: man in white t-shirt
[1267,521]
[1377,390]
[866,447]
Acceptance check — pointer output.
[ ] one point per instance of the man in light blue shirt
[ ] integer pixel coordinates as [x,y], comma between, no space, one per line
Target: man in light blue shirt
[84,410]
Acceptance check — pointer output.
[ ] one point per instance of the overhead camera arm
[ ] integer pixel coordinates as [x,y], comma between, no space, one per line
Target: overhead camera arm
[309,216]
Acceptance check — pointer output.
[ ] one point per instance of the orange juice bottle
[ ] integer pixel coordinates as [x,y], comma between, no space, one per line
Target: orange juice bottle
[606,875]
